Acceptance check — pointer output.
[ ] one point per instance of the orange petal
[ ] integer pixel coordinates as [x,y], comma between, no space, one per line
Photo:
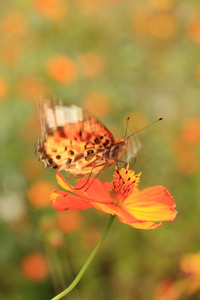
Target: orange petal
[113,209]
[144,225]
[64,201]
[95,190]
[124,218]
[63,183]
[151,204]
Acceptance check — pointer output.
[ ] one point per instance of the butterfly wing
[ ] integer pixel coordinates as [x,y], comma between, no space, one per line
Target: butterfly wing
[72,139]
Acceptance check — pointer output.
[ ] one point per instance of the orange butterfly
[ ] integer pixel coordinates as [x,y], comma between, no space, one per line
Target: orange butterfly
[75,141]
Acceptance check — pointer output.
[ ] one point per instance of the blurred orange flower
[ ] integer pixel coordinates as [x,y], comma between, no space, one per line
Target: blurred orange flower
[162,26]
[91,64]
[14,24]
[10,53]
[190,266]
[191,132]
[3,89]
[197,74]
[161,5]
[88,7]
[35,267]
[194,31]
[97,104]
[186,147]
[52,9]
[38,194]
[69,221]
[139,209]
[62,69]
[113,1]
[168,289]
[187,162]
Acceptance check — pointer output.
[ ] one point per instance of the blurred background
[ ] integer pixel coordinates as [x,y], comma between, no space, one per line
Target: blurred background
[116,58]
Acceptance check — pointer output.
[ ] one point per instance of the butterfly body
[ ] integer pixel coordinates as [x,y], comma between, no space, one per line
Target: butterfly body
[75,141]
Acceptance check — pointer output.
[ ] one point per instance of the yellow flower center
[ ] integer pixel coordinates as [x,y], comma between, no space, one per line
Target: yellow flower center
[124,183]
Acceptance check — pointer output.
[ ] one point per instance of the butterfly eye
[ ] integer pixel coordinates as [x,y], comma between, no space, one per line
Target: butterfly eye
[58,157]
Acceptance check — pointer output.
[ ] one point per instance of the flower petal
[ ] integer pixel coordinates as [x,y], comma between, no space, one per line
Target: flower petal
[118,211]
[151,204]
[63,183]
[95,189]
[64,201]
[142,224]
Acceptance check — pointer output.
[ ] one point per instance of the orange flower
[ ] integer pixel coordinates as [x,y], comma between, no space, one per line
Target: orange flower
[141,209]
[190,266]
[88,7]
[14,24]
[52,9]
[35,267]
[62,69]
[194,31]
[162,26]
[191,132]
[38,194]
[168,289]
[69,221]
[3,89]
[161,5]
[10,53]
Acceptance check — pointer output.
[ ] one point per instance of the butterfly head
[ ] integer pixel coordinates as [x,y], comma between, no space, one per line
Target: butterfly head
[122,145]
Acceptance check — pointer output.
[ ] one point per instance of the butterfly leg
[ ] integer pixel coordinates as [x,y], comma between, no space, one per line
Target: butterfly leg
[121,161]
[104,164]
[134,160]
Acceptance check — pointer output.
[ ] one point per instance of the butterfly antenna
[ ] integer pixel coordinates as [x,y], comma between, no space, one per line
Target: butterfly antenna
[126,127]
[144,128]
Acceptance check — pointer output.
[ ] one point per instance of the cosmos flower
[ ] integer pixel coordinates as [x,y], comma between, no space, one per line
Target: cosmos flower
[143,209]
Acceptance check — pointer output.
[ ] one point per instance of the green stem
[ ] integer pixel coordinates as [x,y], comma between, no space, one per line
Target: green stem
[87,263]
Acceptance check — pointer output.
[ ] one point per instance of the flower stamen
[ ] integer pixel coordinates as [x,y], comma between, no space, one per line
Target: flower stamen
[124,182]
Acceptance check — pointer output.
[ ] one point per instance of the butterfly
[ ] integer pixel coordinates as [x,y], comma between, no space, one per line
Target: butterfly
[75,141]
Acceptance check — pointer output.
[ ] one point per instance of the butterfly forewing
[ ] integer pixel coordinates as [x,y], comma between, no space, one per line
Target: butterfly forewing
[73,140]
